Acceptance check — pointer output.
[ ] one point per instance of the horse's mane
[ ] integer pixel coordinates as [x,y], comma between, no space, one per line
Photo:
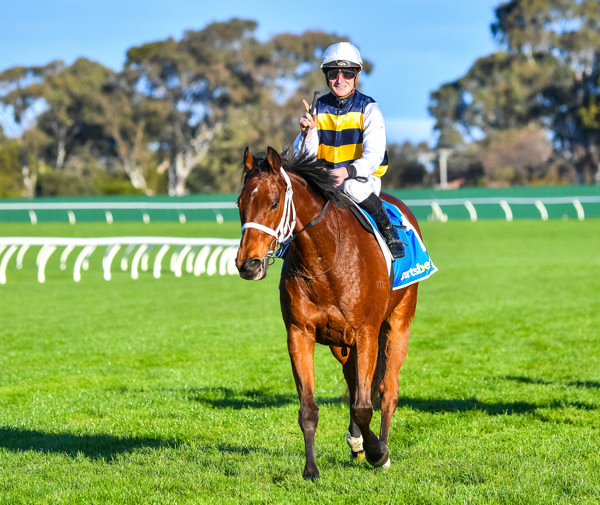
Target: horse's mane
[314,173]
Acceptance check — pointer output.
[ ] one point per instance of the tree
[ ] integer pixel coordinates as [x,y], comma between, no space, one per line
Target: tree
[131,121]
[406,165]
[177,105]
[213,77]
[570,31]
[65,99]
[83,112]
[11,184]
[515,156]
[546,74]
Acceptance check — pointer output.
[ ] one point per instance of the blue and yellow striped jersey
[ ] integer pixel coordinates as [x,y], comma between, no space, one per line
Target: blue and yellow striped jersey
[341,131]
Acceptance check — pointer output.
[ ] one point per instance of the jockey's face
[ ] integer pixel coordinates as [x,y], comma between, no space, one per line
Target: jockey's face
[340,86]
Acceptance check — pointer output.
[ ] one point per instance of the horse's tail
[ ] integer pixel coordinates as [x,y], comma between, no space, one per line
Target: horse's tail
[380,367]
[379,371]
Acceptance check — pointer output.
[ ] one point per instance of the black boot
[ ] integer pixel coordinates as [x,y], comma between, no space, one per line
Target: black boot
[374,207]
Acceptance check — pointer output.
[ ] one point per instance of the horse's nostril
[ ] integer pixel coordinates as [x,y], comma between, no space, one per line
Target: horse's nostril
[252,264]
[252,269]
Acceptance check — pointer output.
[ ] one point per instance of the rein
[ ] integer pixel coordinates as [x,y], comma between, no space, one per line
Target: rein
[284,233]
[283,245]
[337,256]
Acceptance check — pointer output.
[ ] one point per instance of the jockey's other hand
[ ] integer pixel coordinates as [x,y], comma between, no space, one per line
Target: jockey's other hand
[340,174]
[308,121]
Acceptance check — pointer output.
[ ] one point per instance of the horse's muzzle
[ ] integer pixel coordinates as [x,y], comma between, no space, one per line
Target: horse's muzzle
[253,269]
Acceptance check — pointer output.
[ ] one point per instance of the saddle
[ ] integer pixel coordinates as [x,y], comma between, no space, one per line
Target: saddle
[416,265]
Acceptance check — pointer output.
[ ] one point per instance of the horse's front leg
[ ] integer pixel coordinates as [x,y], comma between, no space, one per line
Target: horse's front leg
[301,348]
[362,408]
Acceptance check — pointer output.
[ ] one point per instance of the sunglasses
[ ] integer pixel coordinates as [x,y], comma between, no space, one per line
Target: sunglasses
[347,73]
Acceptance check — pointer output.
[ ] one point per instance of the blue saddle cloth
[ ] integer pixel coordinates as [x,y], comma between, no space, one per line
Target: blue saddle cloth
[416,265]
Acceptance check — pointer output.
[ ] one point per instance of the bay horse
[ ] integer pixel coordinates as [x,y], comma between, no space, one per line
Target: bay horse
[334,290]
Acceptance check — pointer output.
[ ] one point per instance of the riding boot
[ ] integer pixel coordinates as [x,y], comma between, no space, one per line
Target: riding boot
[374,207]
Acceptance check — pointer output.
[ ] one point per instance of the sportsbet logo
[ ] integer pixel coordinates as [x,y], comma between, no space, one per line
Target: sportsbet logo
[416,270]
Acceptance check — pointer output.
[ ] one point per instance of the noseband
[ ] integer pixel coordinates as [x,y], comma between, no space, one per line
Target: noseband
[284,233]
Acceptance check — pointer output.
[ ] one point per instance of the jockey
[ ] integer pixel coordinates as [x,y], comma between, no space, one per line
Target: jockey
[350,137]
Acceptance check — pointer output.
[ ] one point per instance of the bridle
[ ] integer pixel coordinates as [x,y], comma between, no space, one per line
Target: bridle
[285,229]
[284,234]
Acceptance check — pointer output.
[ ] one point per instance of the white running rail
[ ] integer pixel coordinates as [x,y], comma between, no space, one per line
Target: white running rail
[507,205]
[196,256]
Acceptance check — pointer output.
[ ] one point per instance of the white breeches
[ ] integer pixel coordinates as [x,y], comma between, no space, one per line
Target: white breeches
[359,191]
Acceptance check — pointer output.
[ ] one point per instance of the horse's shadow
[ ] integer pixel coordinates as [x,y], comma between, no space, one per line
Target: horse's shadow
[543,382]
[108,447]
[93,446]
[226,398]
[436,406]
[99,447]
[501,408]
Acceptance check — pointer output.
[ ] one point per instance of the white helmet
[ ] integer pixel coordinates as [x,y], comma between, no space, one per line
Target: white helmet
[342,54]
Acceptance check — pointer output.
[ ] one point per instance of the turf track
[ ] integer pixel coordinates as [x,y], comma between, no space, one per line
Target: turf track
[180,390]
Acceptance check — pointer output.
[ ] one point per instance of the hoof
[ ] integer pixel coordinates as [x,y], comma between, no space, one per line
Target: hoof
[311,475]
[357,456]
[381,461]
[387,464]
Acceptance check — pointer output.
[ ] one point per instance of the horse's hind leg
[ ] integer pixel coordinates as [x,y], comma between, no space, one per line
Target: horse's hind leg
[396,346]
[362,408]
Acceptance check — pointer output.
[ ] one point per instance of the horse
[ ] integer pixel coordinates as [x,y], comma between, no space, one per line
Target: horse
[334,290]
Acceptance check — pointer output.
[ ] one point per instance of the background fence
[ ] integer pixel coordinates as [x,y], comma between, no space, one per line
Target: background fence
[212,256]
[543,202]
[553,202]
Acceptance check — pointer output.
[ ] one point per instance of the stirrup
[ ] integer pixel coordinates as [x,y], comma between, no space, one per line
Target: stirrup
[394,243]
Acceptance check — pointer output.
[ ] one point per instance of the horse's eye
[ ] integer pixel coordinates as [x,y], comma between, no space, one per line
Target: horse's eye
[275,204]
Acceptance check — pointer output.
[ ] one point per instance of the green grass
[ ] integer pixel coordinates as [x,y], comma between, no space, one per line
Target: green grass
[180,390]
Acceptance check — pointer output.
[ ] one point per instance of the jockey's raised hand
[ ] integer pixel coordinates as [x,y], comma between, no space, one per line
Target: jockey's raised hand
[308,121]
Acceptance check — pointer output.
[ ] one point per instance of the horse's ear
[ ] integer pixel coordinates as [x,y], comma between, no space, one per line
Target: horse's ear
[248,159]
[273,158]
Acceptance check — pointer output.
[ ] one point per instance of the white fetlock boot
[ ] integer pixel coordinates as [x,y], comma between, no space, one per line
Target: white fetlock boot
[356,447]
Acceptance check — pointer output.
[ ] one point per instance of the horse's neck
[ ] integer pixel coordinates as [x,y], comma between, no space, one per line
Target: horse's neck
[322,239]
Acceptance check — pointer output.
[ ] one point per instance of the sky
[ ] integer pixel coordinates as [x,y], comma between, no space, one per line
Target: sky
[415,45]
